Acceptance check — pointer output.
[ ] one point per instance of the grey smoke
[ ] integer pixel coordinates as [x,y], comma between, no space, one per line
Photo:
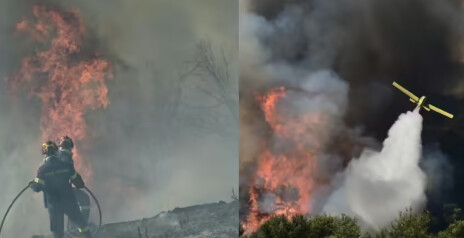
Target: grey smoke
[439,171]
[146,157]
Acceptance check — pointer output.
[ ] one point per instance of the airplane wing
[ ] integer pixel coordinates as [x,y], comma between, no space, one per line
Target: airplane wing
[436,109]
[412,96]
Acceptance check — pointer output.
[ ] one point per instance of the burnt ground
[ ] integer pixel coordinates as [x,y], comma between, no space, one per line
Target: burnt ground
[218,220]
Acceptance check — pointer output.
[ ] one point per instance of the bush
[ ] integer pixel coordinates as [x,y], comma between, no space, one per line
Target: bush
[280,226]
[454,230]
[299,227]
[408,225]
[334,226]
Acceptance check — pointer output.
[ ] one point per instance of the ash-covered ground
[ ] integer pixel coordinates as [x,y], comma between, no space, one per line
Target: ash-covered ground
[218,220]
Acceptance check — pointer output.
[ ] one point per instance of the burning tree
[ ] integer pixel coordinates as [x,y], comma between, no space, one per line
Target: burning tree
[284,177]
[67,79]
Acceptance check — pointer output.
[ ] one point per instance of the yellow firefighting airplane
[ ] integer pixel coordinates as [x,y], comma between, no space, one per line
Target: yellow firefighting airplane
[421,101]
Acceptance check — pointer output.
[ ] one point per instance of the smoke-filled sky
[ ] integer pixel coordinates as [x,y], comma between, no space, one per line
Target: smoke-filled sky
[367,45]
[163,141]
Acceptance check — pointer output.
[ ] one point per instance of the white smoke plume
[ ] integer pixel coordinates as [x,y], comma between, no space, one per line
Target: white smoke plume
[380,184]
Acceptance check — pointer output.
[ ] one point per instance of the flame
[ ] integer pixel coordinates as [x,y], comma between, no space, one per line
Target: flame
[67,80]
[285,178]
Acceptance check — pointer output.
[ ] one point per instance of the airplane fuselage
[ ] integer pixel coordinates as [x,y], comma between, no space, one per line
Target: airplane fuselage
[421,102]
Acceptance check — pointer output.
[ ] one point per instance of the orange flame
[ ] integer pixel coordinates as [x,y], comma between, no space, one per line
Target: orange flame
[285,176]
[68,81]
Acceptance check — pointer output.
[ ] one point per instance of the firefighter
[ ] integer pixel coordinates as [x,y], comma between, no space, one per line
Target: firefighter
[54,179]
[65,147]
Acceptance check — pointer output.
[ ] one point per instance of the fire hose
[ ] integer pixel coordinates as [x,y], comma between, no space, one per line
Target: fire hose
[14,200]
[99,209]
[29,184]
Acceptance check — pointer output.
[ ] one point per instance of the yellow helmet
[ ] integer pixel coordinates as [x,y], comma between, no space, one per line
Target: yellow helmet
[49,147]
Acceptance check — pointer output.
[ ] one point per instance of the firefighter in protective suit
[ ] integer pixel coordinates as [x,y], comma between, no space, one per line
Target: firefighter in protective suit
[65,146]
[54,179]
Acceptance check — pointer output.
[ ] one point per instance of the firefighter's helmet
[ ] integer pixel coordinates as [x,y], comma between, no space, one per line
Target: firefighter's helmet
[49,148]
[65,142]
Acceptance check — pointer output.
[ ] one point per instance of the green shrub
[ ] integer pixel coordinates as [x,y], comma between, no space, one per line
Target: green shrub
[299,227]
[408,225]
[334,227]
[454,230]
[281,227]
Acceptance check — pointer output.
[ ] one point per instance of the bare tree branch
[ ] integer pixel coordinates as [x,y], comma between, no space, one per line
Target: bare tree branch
[234,196]
[214,81]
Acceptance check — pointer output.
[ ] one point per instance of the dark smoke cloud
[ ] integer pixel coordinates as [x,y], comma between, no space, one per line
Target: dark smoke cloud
[370,44]
[146,156]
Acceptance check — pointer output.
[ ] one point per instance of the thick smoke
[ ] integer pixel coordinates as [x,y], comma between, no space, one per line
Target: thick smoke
[149,147]
[369,44]
[366,45]
[379,184]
